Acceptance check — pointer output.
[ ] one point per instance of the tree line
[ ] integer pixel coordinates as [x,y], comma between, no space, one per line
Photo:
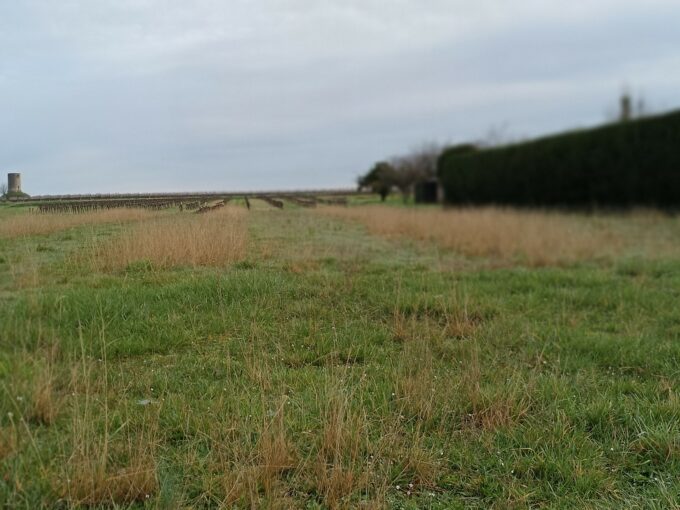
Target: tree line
[567,168]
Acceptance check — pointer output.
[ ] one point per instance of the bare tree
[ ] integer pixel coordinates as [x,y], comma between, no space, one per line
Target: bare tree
[404,175]
[418,165]
[3,190]
[403,172]
[425,159]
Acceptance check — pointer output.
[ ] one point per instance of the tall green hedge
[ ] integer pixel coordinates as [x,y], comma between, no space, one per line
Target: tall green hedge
[620,165]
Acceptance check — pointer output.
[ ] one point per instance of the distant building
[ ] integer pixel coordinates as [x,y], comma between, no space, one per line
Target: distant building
[13,183]
[14,191]
[428,192]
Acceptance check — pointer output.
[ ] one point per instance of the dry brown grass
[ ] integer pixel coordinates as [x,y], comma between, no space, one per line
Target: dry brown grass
[275,451]
[39,224]
[416,386]
[93,482]
[45,398]
[329,462]
[34,387]
[250,473]
[535,237]
[212,239]
[9,441]
[339,469]
[109,460]
[476,398]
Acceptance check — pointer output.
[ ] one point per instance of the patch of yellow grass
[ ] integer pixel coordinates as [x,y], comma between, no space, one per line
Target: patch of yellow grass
[92,482]
[45,399]
[109,454]
[9,441]
[536,237]
[23,225]
[107,466]
[339,468]
[213,239]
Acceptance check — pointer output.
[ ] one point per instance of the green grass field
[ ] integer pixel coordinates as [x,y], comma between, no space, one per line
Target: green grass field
[334,368]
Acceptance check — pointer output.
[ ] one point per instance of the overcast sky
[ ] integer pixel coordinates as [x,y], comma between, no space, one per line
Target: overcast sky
[177,95]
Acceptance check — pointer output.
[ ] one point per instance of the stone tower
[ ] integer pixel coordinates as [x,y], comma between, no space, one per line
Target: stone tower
[14,183]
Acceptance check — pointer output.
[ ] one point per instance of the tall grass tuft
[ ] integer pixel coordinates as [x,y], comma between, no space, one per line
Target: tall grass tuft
[213,239]
[110,456]
[339,469]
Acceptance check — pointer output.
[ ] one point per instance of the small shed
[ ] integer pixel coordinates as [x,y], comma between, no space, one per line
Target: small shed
[427,192]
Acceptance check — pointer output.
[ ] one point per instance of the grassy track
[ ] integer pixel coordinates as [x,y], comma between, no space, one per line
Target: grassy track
[330,367]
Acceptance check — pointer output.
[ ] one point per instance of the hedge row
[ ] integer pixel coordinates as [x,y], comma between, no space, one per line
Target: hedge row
[620,165]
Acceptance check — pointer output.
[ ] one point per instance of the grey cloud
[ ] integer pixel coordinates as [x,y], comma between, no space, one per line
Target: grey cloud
[100,96]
